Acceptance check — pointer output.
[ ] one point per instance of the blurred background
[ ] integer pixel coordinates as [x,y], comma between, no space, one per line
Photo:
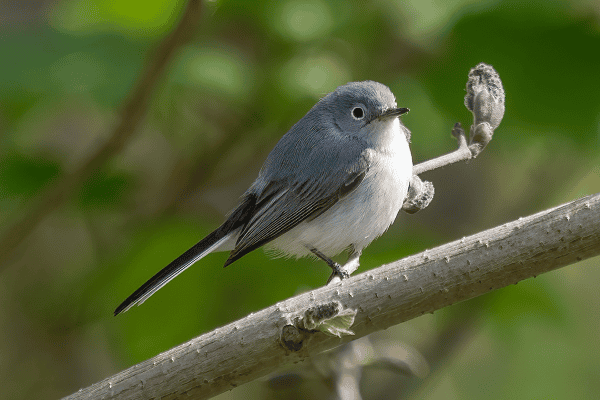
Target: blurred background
[248,73]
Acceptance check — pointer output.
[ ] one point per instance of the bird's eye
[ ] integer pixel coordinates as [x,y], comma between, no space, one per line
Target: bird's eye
[358,113]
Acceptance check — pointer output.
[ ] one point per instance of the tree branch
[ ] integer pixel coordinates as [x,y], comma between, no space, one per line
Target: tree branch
[263,342]
[132,112]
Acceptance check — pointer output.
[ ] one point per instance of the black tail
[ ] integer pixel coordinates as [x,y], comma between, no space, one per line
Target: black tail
[169,272]
[211,242]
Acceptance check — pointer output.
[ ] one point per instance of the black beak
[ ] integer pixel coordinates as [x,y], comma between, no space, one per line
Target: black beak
[392,113]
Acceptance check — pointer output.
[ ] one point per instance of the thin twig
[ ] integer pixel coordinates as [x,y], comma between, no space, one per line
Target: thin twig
[132,112]
[463,153]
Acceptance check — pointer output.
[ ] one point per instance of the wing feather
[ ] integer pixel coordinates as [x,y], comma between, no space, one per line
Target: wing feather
[283,205]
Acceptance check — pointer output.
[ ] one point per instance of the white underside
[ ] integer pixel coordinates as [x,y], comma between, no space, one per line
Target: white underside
[364,214]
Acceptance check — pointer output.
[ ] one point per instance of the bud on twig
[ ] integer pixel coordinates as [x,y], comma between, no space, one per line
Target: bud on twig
[485,99]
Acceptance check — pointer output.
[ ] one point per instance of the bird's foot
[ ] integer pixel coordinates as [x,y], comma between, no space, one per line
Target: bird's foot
[337,270]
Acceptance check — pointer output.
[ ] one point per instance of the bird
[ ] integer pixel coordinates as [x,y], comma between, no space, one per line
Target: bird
[333,183]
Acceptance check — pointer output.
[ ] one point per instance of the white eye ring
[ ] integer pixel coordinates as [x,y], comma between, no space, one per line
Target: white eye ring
[358,113]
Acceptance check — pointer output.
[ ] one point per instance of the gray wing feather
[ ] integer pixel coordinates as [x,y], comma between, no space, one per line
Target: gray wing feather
[320,180]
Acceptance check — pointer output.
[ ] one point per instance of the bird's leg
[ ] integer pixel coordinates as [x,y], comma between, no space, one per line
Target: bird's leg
[338,270]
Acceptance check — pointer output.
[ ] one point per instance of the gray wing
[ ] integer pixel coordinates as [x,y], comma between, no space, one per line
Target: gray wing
[324,177]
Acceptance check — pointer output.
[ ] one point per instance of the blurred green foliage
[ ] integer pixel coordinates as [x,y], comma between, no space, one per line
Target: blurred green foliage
[251,71]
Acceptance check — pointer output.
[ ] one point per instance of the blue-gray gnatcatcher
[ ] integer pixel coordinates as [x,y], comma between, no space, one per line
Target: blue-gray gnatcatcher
[334,182]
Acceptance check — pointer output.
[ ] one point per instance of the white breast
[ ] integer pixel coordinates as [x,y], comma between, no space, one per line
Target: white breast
[364,214]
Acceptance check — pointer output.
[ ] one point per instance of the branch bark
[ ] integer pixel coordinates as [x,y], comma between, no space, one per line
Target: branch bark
[132,112]
[263,342]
